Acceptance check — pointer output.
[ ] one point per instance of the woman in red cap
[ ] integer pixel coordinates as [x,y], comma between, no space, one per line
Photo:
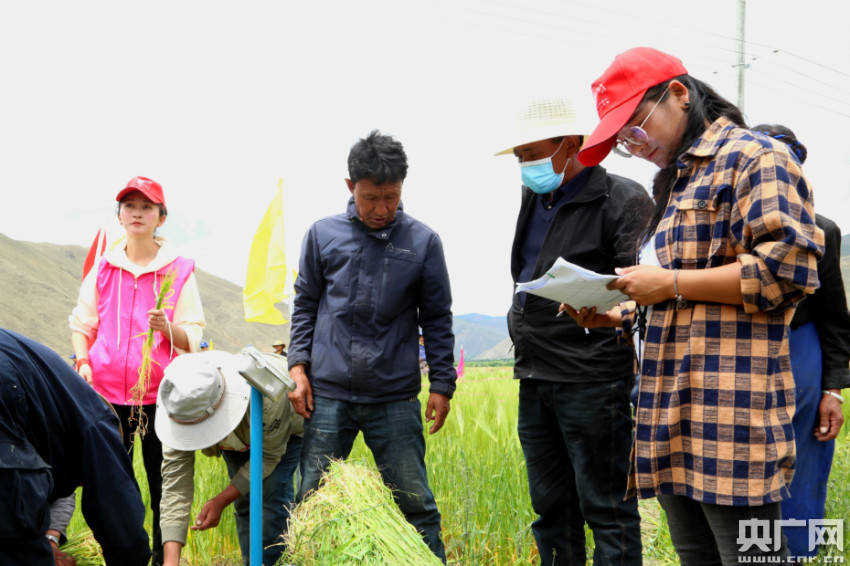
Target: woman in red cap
[737,246]
[115,309]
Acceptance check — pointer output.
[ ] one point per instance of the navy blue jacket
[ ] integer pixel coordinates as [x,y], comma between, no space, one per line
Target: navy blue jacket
[56,433]
[360,296]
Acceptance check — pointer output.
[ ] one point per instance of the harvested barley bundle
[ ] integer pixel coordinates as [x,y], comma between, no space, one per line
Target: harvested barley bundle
[353,519]
[82,546]
[139,390]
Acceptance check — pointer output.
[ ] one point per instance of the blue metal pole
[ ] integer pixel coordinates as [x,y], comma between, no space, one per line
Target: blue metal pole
[256,513]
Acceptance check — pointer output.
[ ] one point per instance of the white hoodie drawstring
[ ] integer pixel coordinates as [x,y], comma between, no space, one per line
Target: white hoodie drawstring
[170,338]
[118,310]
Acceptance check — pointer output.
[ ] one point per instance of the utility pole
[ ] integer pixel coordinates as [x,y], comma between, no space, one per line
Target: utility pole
[742,10]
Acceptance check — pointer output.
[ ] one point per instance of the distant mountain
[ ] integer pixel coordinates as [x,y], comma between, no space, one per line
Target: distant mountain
[39,284]
[477,333]
[501,351]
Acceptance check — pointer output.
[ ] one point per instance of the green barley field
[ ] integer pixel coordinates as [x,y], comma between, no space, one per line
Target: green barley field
[477,473]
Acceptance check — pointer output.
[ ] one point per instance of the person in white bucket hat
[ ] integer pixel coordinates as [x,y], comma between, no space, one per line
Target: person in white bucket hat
[204,406]
[574,419]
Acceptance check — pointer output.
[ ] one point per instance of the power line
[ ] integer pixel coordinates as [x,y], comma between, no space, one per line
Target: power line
[796,71]
[689,33]
[809,100]
[812,62]
[546,24]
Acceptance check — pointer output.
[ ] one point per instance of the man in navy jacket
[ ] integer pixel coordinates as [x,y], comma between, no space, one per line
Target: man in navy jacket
[56,433]
[368,280]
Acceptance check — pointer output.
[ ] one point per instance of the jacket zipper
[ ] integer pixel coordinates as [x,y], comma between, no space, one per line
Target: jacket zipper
[384,279]
[558,213]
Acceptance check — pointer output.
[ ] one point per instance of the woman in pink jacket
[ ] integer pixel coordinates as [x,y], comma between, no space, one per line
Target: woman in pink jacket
[115,309]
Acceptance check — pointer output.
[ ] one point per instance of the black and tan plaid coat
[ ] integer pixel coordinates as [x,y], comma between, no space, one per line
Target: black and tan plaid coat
[716,393]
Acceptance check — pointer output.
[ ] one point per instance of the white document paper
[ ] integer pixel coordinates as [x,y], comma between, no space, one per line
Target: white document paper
[574,285]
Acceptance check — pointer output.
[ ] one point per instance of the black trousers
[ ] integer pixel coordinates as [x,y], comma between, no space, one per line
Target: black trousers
[576,439]
[152,459]
[708,535]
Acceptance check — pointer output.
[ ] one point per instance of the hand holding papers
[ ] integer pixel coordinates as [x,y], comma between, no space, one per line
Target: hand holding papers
[574,285]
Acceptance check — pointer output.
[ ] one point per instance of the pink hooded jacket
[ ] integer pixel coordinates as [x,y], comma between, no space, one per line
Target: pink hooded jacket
[123,295]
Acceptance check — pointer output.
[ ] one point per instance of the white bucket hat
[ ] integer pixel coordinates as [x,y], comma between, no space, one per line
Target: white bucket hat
[550,118]
[201,399]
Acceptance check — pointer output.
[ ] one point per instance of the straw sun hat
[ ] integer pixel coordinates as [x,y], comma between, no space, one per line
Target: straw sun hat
[201,399]
[549,118]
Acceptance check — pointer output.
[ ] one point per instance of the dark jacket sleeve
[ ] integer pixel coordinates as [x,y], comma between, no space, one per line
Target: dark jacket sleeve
[76,433]
[435,319]
[630,209]
[309,286]
[111,502]
[830,311]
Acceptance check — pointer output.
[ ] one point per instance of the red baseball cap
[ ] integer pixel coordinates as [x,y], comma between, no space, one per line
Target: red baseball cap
[619,91]
[147,187]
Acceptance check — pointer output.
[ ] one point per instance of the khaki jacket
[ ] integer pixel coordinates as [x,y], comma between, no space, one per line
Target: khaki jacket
[280,421]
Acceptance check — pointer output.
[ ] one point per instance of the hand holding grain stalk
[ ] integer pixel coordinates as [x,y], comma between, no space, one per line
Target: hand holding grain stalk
[157,321]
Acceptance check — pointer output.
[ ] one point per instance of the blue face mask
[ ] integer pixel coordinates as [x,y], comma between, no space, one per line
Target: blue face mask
[540,176]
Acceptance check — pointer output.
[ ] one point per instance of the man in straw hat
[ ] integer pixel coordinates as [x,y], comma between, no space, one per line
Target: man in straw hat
[57,433]
[574,416]
[279,347]
[366,280]
[206,401]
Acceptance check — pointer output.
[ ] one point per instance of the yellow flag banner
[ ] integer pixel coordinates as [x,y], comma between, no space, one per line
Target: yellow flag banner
[266,276]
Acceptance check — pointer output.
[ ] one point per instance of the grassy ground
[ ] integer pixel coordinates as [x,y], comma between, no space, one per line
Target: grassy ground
[477,473]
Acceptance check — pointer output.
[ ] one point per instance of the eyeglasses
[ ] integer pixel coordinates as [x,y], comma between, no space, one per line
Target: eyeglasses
[632,138]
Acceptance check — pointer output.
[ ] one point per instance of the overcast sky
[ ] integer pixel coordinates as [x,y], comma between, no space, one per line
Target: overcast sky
[218,100]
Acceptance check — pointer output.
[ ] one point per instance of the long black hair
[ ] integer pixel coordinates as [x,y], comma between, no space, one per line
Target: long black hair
[705,106]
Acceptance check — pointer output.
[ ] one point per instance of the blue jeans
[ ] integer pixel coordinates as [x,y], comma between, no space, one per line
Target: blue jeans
[576,439]
[278,492]
[393,432]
